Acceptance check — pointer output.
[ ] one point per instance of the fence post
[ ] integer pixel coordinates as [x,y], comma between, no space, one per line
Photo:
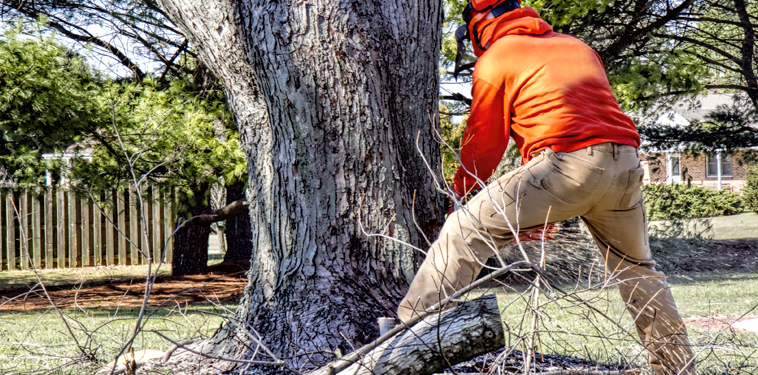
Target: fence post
[133,227]
[144,225]
[110,258]
[97,231]
[155,205]
[24,230]
[49,227]
[3,224]
[10,218]
[169,221]
[73,246]
[85,231]
[60,209]
[37,228]
[121,240]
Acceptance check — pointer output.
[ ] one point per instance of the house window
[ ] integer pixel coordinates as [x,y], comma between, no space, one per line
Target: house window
[676,170]
[726,165]
[673,168]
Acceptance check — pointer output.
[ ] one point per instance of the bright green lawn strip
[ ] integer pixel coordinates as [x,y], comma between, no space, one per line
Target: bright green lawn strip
[39,341]
[744,225]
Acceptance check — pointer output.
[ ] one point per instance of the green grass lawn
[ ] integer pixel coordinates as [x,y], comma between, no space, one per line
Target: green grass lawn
[39,342]
[605,332]
[744,225]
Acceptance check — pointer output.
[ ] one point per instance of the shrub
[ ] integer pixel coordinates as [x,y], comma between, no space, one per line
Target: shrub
[682,201]
[750,192]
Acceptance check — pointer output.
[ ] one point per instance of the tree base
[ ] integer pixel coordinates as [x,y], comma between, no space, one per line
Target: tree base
[435,343]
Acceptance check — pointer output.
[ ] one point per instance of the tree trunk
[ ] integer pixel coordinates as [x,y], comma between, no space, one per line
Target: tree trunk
[191,240]
[191,246]
[239,236]
[330,97]
[434,343]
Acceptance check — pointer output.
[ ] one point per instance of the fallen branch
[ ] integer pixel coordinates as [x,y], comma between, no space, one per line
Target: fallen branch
[452,336]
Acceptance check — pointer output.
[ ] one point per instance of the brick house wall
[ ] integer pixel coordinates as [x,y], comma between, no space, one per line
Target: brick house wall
[694,169]
[654,166]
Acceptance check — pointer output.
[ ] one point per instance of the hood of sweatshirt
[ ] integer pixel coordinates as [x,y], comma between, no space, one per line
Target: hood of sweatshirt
[522,21]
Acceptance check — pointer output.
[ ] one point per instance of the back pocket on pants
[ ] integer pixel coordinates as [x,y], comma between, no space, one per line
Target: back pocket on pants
[631,182]
[565,177]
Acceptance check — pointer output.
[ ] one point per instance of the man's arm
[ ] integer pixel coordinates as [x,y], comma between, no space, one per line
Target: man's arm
[485,138]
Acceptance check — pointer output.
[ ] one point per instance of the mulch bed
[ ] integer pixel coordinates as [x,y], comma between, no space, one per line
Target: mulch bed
[225,283]
[725,255]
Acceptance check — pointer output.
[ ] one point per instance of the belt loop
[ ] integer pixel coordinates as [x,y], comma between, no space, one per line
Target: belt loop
[589,150]
[615,151]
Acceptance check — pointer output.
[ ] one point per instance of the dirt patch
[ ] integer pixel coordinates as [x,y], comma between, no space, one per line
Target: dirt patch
[726,255]
[169,291]
[718,322]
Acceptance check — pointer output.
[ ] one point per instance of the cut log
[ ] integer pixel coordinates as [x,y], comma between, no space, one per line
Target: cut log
[431,345]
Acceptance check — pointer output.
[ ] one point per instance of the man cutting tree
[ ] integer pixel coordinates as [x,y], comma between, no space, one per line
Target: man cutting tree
[549,92]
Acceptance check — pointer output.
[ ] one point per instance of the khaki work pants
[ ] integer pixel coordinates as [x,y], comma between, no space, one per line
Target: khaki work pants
[602,185]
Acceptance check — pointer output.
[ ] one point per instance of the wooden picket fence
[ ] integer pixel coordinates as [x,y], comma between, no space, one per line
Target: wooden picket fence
[52,227]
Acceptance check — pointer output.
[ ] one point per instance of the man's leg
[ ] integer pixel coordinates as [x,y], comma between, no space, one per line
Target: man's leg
[478,230]
[622,237]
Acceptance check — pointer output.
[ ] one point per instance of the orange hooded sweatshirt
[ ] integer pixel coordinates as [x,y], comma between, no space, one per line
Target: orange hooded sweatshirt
[544,89]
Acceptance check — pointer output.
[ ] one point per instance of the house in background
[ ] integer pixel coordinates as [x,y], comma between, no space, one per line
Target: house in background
[82,151]
[720,171]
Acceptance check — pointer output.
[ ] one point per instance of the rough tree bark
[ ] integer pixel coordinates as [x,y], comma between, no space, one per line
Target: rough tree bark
[330,97]
[239,235]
